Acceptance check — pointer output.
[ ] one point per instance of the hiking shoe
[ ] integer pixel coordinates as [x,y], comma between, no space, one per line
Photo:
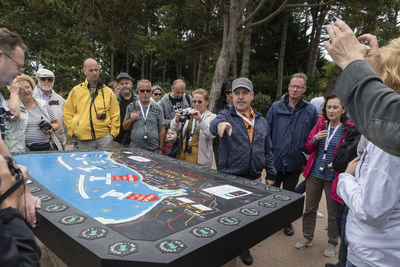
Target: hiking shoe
[303,243]
[330,251]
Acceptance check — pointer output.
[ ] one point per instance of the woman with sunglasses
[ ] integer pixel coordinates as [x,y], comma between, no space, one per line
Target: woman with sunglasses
[196,137]
[33,129]
[156,93]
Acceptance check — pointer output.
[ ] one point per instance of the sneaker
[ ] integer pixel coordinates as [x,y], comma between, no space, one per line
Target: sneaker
[330,251]
[319,214]
[303,243]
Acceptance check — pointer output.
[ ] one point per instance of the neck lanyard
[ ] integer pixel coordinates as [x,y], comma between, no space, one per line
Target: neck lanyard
[329,138]
[246,119]
[144,115]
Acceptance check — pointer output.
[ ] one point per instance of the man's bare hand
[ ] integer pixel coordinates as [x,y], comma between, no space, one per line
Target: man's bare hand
[351,167]
[373,55]
[343,46]
[224,126]
[134,116]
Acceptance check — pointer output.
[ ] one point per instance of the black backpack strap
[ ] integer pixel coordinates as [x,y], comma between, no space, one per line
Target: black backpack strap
[188,99]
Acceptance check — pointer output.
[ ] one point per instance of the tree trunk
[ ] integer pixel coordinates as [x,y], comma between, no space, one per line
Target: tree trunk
[199,81]
[150,68]
[142,68]
[285,22]
[194,73]
[245,70]
[314,45]
[229,43]
[112,66]
[234,65]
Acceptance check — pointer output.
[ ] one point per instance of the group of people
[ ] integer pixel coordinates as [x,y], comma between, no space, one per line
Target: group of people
[362,197]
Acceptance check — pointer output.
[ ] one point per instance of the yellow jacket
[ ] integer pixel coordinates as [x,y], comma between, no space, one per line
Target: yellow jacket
[77,116]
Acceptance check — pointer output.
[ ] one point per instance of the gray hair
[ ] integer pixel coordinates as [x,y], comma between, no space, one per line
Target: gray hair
[143,81]
[301,76]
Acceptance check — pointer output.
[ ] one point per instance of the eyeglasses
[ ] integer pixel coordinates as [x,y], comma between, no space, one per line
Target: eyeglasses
[228,92]
[197,101]
[49,79]
[157,94]
[295,86]
[145,91]
[19,66]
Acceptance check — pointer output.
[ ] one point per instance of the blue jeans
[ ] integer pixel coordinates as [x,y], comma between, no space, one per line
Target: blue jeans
[343,247]
[349,264]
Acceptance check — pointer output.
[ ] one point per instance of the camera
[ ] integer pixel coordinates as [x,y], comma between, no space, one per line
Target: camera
[14,169]
[45,125]
[101,116]
[7,114]
[185,114]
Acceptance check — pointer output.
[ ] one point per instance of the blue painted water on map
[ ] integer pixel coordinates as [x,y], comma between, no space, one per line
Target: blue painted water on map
[84,179]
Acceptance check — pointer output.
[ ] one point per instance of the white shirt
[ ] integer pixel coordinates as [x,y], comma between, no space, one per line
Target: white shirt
[373,197]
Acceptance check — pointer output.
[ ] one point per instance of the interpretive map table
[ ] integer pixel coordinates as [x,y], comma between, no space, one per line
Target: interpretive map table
[137,208]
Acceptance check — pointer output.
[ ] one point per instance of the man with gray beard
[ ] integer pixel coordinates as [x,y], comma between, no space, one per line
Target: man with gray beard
[44,90]
[124,97]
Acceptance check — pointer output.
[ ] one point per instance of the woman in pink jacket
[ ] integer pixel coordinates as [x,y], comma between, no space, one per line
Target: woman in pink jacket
[322,142]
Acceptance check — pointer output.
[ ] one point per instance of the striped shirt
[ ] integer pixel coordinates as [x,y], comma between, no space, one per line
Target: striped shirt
[33,134]
[328,173]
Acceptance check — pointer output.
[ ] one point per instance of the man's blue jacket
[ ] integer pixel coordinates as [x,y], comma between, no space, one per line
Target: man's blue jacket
[289,128]
[235,153]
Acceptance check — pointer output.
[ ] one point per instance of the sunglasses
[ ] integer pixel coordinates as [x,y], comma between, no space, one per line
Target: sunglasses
[49,79]
[145,91]
[228,92]
[157,94]
[197,101]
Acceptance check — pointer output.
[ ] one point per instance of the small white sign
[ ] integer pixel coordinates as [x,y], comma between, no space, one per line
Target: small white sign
[138,158]
[201,207]
[227,191]
[185,200]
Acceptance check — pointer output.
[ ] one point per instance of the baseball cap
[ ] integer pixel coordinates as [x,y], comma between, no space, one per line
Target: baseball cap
[242,83]
[123,75]
[44,73]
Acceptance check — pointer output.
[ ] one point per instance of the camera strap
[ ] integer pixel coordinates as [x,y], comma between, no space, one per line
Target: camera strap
[329,138]
[12,189]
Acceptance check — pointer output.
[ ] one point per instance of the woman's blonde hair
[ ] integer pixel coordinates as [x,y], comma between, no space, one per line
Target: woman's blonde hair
[389,68]
[202,92]
[26,78]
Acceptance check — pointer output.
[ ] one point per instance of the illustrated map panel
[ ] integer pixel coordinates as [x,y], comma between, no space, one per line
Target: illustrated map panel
[132,192]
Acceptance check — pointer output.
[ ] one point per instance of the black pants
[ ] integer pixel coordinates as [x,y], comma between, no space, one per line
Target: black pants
[289,180]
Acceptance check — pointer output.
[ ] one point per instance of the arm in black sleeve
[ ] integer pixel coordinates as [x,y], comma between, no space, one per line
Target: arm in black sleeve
[372,106]
[347,151]
[17,244]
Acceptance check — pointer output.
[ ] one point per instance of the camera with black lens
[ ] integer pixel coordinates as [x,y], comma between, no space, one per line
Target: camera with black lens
[185,114]
[7,114]
[45,125]
[101,116]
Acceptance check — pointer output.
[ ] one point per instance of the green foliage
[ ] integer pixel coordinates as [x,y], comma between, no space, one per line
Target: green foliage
[264,83]
[261,103]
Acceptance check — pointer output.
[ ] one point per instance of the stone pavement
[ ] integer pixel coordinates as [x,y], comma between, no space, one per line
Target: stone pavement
[279,250]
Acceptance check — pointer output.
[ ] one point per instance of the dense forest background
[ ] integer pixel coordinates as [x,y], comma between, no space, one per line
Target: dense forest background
[201,41]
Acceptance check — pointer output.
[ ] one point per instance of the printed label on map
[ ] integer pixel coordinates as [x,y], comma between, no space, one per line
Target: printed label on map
[143,198]
[126,177]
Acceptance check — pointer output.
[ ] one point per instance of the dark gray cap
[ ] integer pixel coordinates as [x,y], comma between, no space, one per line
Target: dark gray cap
[123,75]
[242,83]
